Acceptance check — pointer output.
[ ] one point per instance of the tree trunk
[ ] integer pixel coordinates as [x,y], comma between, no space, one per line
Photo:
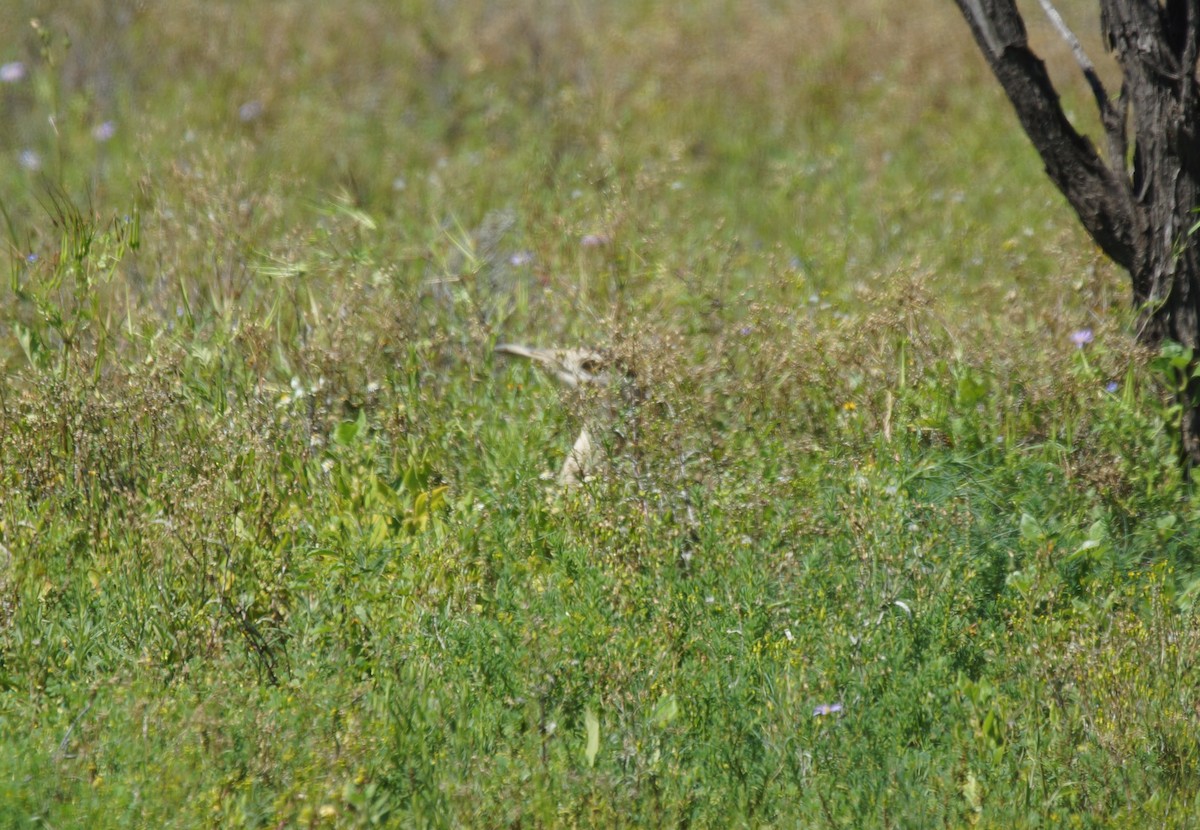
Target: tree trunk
[1139,207]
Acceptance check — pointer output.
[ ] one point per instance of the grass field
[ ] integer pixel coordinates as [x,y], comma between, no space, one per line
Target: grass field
[893,536]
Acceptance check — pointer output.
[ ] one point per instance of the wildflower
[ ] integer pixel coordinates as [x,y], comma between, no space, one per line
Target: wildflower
[827,709]
[32,258]
[12,72]
[520,258]
[103,132]
[250,111]
[744,330]
[1082,337]
[594,240]
[30,160]
[849,406]
[1111,387]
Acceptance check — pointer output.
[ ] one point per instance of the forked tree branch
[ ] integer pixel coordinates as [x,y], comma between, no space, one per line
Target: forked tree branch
[1099,195]
[1089,68]
[1112,118]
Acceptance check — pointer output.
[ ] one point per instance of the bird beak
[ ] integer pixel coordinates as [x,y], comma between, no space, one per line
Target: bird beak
[567,365]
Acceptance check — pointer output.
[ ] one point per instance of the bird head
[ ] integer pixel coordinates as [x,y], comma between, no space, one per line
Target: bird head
[572,367]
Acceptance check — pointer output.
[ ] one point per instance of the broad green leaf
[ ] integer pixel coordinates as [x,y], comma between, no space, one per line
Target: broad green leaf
[1031,529]
[346,432]
[665,711]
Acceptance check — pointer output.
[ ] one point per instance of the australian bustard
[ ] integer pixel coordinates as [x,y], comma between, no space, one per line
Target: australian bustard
[574,368]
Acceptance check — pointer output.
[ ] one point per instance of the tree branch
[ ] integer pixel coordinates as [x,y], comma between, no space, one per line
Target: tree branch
[1089,69]
[1111,118]
[1190,48]
[982,27]
[1099,195]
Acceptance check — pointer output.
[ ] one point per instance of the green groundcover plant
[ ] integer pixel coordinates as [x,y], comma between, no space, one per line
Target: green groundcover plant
[890,533]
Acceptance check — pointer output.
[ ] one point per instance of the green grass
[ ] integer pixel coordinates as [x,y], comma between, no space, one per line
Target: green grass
[279,540]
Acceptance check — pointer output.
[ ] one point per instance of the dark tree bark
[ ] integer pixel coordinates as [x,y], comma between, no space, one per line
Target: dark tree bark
[1138,206]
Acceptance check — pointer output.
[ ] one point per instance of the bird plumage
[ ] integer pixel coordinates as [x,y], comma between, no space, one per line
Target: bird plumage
[574,368]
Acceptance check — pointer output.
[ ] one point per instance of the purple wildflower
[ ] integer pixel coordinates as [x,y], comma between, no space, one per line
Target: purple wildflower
[30,160]
[250,111]
[520,258]
[103,132]
[594,240]
[12,72]
[1082,337]
[31,258]
[1111,387]
[827,709]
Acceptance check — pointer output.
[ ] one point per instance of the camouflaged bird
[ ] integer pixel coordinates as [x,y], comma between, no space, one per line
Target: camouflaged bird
[574,368]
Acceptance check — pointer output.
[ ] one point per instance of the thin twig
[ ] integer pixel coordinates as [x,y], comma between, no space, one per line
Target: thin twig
[62,745]
[1112,118]
[1089,69]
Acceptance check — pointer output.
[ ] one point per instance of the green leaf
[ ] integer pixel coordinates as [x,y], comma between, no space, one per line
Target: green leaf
[973,793]
[665,710]
[347,431]
[592,724]
[1084,550]
[1031,529]
[31,344]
